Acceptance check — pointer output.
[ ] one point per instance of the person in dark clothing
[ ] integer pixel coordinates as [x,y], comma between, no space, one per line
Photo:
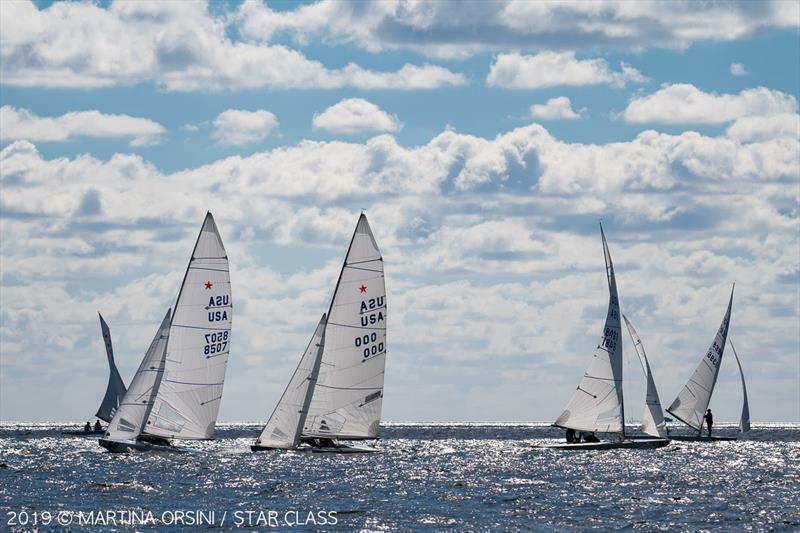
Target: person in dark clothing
[591,437]
[571,437]
[97,426]
[709,418]
[87,427]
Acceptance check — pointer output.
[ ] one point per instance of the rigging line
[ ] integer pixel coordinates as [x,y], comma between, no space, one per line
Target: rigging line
[196,384]
[587,392]
[349,388]
[355,327]
[364,269]
[211,400]
[211,269]
[364,261]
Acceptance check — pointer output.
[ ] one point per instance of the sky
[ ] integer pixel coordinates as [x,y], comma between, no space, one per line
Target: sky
[484,141]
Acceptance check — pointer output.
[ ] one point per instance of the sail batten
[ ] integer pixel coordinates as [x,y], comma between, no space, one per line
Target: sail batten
[692,401]
[128,421]
[187,400]
[347,398]
[653,422]
[115,390]
[596,404]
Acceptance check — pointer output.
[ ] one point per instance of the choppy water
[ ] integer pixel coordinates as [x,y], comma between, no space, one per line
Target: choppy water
[429,478]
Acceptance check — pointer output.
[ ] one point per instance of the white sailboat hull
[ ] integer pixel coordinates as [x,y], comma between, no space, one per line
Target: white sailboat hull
[634,444]
[127,446]
[701,438]
[341,448]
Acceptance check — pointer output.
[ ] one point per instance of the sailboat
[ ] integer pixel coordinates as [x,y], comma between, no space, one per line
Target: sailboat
[336,392]
[115,390]
[692,401]
[597,403]
[176,392]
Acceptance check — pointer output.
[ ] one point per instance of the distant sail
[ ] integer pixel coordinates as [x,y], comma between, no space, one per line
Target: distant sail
[284,427]
[596,404]
[691,404]
[115,390]
[129,419]
[188,398]
[744,421]
[653,418]
[349,392]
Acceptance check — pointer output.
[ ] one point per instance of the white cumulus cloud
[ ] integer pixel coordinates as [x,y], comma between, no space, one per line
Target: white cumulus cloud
[684,103]
[23,124]
[737,69]
[550,69]
[238,126]
[178,46]
[555,109]
[355,115]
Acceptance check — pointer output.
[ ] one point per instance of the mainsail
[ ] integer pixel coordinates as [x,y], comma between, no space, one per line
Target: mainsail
[189,394]
[691,404]
[130,416]
[115,390]
[653,418]
[286,423]
[348,396]
[596,405]
[744,421]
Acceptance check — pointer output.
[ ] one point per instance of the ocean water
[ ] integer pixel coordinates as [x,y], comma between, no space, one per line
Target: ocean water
[430,477]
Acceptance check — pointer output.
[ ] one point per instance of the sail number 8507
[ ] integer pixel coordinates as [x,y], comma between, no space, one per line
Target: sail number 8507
[365,341]
[216,342]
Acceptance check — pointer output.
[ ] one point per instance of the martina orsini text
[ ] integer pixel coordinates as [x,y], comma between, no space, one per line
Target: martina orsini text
[189,517]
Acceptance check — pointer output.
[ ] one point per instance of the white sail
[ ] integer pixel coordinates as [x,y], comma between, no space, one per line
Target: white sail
[286,423]
[188,398]
[653,418]
[744,421]
[115,390]
[130,416]
[348,396]
[691,404]
[596,405]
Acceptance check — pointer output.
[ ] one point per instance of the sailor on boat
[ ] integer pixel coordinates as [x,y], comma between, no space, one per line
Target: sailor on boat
[709,418]
[87,427]
[97,426]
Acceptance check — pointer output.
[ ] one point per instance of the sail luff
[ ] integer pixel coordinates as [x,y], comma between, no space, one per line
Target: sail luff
[692,401]
[188,398]
[653,417]
[744,420]
[115,390]
[135,407]
[596,404]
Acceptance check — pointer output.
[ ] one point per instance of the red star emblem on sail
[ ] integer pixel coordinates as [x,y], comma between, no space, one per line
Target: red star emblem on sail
[363,288]
[209,284]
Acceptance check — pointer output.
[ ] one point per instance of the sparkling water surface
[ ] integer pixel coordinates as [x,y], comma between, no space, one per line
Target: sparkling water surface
[430,477]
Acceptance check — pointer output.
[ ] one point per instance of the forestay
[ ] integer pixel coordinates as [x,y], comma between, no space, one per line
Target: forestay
[129,418]
[596,404]
[286,423]
[348,396]
[744,421]
[691,404]
[115,390]
[653,417]
[188,398]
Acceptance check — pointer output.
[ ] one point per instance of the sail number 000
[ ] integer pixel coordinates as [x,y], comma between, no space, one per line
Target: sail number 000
[368,339]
